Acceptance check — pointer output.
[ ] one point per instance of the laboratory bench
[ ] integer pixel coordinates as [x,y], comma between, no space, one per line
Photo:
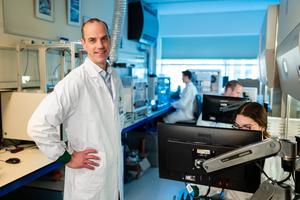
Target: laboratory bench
[34,164]
[150,117]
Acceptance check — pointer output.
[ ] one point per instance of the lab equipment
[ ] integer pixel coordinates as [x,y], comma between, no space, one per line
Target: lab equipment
[138,72]
[133,72]
[142,22]
[135,96]
[248,82]
[269,73]
[288,57]
[220,108]
[182,149]
[163,91]
[207,81]
[267,51]
[53,62]
[152,82]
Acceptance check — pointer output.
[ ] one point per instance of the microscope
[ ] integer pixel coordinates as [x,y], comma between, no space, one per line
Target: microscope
[269,189]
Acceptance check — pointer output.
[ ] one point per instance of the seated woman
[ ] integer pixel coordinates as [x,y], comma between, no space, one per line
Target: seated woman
[252,116]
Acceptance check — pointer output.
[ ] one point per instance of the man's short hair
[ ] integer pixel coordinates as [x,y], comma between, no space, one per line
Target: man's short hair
[232,85]
[92,20]
[187,73]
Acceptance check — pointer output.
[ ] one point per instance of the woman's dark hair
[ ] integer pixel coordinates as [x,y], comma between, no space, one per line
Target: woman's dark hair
[257,113]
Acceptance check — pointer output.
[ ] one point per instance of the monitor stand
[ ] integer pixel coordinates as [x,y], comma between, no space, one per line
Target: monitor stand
[268,190]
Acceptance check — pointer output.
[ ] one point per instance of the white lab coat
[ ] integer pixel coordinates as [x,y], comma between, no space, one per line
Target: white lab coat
[185,106]
[90,117]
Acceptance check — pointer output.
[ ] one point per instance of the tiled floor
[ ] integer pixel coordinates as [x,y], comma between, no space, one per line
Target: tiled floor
[151,187]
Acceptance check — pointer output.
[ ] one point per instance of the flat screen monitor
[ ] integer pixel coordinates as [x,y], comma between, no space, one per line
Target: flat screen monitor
[179,146]
[220,108]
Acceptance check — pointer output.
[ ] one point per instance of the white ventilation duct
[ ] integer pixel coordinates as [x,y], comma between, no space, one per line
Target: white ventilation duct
[120,10]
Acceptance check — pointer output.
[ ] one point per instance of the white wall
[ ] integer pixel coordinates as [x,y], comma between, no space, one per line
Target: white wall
[19,18]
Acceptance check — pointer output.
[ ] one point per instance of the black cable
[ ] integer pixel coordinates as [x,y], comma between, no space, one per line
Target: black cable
[14,142]
[204,196]
[274,181]
[285,179]
[30,146]
[262,171]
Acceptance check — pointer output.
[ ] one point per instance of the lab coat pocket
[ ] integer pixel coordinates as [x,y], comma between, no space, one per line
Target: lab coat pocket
[89,180]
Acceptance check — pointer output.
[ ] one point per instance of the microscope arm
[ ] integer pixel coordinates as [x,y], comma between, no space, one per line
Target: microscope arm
[264,149]
[286,149]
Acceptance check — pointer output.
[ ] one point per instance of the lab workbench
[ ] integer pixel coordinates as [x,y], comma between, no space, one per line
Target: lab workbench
[149,117]
[34,164]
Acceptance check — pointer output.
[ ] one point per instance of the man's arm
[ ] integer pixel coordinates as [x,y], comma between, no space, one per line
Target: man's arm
[42,126]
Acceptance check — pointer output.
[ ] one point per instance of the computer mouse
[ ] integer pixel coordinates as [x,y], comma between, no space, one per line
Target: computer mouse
[13,160]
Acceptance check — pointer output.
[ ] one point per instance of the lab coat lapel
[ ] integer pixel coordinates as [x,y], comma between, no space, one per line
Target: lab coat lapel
[98,80]
[114,83]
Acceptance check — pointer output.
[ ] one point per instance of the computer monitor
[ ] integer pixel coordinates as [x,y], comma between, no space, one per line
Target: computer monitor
[179,146]
[220,108]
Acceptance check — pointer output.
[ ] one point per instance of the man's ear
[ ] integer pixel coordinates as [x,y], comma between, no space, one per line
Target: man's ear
[228,91]
[83,43]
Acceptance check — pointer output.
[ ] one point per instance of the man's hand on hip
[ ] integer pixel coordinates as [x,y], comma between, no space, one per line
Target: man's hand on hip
[84,159]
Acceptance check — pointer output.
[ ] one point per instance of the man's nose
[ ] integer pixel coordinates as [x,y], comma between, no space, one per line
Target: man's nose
[100,44]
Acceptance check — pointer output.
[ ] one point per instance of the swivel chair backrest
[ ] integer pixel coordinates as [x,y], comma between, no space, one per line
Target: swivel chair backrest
[197,106]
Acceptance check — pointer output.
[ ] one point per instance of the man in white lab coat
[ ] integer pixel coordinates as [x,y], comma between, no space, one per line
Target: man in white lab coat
[87,102]
[233,88]
[185,106]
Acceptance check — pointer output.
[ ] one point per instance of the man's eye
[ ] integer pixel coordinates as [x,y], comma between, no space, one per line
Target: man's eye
[105,39]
